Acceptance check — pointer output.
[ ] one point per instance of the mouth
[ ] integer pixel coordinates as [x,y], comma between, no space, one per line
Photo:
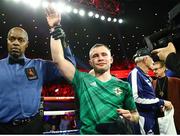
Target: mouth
[15,50]
[101,64]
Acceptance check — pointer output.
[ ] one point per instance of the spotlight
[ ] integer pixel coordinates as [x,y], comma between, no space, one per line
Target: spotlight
[45,4]
[120,21]
[102,17]
[115,20]
[68,9]
[109,19]
[16,0]
[90,14]
[75,11]
[60,7]
[81,12]
[96,15]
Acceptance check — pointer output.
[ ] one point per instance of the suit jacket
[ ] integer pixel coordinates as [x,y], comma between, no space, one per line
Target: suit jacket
[174,97]
[173,62]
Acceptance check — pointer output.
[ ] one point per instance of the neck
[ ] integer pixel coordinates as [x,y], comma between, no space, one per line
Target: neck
[16,58]
[162,76]
[106,76]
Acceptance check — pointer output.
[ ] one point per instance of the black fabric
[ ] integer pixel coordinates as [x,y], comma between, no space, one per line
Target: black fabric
[34,126]
[16,61]
[120,126]
[58,33]
[162,88]
[173,62]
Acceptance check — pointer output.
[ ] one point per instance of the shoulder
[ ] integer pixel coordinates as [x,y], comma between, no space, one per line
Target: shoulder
[135,73]
[120,81]
[134,70]
[40,61]
[83,74]
[3,60]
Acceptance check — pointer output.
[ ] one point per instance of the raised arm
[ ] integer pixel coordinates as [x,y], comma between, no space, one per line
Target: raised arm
[65,67]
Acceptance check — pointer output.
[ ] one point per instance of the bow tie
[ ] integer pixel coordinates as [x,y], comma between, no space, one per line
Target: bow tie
[16,61]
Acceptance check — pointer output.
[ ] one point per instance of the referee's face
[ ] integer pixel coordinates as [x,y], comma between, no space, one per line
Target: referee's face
[17,42]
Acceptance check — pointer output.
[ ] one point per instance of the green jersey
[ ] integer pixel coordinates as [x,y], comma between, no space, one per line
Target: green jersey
[99,101]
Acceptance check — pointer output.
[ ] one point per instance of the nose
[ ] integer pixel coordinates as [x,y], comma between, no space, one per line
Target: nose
[100,57]
[15,42]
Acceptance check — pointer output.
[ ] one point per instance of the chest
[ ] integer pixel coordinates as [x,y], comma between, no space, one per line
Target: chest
[17,74]
[110,92]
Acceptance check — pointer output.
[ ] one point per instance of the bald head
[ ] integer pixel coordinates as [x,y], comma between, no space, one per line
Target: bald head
[18,29]
[17,41]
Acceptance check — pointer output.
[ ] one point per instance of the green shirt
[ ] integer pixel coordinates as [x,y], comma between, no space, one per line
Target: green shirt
[99,101]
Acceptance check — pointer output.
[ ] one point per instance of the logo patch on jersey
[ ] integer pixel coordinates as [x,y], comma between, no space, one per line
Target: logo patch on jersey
[93,84]
[31,73]
[148,82]
[117,91]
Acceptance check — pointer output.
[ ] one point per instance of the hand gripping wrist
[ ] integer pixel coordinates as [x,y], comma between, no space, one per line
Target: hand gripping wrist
[57,33]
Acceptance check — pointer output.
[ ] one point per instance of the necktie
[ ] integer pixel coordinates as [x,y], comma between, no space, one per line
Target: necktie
[16,61]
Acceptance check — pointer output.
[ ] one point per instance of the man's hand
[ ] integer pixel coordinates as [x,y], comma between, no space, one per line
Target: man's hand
[53,17]
[58,33]
[168,105]
[134,116]
[162,53]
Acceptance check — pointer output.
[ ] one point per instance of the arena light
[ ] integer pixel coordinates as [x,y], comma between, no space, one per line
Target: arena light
[96,15]
[75,11]
[53,4]
[115,20]
[45,4]
[62,7]
[26,1]
[68,9]
[81,12]
[35,3]
[109,19]
[16,1]
[56,90]
[90,14]
[102,17]
[120,21]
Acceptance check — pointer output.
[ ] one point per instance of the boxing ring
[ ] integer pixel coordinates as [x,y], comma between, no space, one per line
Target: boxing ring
[48,112]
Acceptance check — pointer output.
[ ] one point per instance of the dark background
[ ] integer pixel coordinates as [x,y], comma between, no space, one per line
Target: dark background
[141,18]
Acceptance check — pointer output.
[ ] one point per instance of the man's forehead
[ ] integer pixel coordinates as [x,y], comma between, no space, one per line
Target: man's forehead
[18,33]
[100,49]
[156,65]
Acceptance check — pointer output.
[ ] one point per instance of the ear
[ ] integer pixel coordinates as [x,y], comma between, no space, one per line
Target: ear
[144,59]
[27,44]
[90,62]
[164,68]
[111,60]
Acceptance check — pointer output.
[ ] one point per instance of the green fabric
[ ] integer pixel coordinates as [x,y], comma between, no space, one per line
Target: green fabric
[99,101]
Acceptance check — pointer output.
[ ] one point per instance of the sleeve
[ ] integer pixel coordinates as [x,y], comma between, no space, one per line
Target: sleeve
[50,72]
[143,103]
[173,62]
[77,82]
[129,100]
[69,56]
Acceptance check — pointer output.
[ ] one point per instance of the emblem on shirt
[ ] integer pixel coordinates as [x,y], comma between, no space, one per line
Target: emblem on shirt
[117,91]
[93,84]
[31,73]
[148,82]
